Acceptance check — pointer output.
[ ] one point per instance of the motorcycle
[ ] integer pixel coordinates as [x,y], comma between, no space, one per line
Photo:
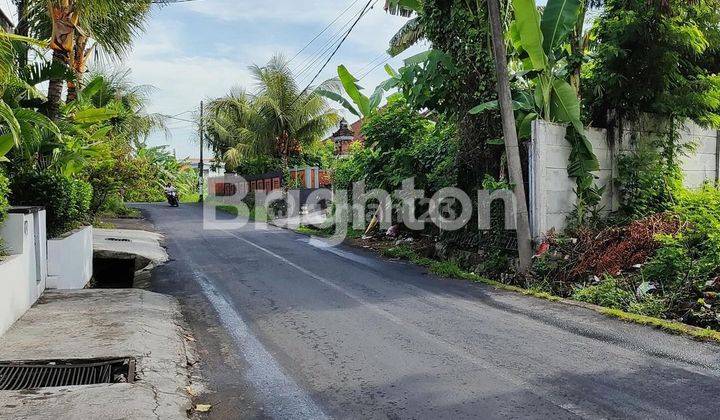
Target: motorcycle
[172,198]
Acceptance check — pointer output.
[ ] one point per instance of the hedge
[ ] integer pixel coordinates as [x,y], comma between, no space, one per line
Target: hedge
[66,200]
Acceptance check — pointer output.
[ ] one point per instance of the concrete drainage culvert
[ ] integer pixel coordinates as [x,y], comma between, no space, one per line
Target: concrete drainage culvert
[117,270]
[25,375]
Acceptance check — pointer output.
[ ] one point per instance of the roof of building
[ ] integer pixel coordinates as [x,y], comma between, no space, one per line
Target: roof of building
[350,130]
[5,20]
[344,130]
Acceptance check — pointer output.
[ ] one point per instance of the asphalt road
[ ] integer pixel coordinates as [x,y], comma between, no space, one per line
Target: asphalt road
[289,328]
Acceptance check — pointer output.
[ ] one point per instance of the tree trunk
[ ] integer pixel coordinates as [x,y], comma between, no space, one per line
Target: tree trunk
[55,88]
[22,28]
[62,42]
[510,134]
[78,64]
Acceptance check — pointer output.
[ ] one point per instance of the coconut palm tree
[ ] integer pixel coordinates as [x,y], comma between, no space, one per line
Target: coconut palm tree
[17,124]
[77,28]
[277,119]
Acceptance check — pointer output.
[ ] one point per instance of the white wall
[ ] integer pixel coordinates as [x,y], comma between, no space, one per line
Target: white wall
[23,273]
[70,260]
[552,196]
[14,296]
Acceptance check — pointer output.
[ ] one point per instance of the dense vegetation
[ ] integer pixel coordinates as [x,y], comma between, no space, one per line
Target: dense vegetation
[276,123]
[85,154]
[641,64]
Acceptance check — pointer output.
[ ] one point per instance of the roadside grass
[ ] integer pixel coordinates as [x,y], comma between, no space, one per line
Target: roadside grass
[663,324]
[326,232]
[251,213]
[102,224]
[190,198]
[451,270]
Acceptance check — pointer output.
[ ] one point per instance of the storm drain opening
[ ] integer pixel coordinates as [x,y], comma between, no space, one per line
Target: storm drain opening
[118,240]
[24,375]
[114,272]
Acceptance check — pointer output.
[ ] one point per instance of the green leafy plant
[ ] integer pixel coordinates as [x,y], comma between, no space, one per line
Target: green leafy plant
[361,105]
[607,293]
[655,57]
[66,200]
[539,41]
[4,204]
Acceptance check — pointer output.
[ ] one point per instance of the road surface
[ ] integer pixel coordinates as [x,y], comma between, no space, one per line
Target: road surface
[290,328]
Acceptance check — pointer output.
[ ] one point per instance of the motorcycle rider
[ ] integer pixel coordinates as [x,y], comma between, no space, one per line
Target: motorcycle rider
[171,194]
[169,189]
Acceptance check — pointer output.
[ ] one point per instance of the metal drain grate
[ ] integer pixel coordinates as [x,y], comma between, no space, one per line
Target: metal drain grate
[48,374]
[119,240]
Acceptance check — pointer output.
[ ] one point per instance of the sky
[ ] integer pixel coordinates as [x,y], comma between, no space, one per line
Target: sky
[200,50]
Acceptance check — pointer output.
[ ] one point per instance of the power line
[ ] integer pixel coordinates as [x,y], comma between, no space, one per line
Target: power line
[335,43]
[179,119]
[373,69]
[331,39]
[371,62]
[310,62]
[324,30]
[365,10]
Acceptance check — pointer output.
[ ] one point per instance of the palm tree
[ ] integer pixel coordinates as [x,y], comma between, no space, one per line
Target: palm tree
[73,25]
[115,91]
[278,119]
[18,125]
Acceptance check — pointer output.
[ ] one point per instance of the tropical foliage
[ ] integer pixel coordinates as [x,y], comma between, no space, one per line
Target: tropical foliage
[277,119]
[361,106]
[75,157]
[655,57]
[404,145]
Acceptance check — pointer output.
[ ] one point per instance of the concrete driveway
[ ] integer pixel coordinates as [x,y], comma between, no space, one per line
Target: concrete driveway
[290,328]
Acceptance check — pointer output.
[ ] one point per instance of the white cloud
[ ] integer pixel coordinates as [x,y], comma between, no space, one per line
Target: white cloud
[188,59]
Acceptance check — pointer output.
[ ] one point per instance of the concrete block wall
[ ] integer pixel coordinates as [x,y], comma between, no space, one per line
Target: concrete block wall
[552,192]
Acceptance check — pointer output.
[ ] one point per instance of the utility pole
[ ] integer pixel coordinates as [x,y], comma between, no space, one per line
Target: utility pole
[201,164]
[510,134]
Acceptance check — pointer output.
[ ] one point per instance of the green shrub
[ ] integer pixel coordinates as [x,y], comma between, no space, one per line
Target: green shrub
[647,180]
[653,306]
[400,143]
[400,251]
[4,192]
[607,293]
[114,206]
[66,200]
[4,203]
[688,261]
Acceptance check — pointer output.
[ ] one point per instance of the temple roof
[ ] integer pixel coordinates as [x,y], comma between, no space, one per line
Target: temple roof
[344,130]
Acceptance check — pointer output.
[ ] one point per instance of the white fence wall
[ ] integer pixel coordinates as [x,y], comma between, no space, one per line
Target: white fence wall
[22,274]
[70,260]
[552,192]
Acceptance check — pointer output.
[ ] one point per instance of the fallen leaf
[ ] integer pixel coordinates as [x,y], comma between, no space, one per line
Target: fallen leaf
[203,408]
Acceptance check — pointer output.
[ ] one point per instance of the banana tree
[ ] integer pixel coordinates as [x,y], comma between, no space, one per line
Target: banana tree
[538,41]
[361,106]
[412,32]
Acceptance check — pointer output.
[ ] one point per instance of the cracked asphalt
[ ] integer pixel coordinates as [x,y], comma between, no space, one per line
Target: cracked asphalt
[289,328]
